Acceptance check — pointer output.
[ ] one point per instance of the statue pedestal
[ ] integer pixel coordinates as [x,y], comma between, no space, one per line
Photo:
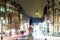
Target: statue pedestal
[30,38]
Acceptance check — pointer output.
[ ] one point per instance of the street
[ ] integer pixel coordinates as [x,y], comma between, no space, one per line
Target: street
[26,38]
[30,20]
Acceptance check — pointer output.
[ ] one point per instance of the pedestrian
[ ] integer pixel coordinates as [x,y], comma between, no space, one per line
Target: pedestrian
[45,39]
[10,33]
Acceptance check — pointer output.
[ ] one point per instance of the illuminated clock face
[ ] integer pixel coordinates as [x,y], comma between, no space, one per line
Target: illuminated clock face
[37,15]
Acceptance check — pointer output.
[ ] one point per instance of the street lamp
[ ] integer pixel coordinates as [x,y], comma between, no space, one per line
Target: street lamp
[1,28]
[30,37]
[48,22]
[1,18]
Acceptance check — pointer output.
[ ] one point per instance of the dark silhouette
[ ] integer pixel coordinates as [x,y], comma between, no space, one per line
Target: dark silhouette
[30,23]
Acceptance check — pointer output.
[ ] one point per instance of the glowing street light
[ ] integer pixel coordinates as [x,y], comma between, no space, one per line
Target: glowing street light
[1,18]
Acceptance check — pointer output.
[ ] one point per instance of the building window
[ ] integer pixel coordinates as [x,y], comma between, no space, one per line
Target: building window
[49,0]
[2,9]
[7,4]
[59,2]
[59,11]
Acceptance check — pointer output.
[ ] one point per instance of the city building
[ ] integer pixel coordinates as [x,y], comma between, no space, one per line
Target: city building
[10,14]
[54,15]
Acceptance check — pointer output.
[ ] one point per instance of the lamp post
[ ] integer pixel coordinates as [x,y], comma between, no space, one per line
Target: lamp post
[48,22]
[53,14]
[30,37]
[1,28]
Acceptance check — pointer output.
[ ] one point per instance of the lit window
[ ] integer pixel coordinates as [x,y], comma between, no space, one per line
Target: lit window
[59,11]
[7,9]
[10,5]
[7,4]
[2,9]
[11,10]
[3,21]
[20,16]
[59,19]
[59,2]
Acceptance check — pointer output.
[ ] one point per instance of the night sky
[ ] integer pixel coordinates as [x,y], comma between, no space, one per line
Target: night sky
[30,6]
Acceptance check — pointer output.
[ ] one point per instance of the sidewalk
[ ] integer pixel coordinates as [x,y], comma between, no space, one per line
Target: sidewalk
[13,37]
[56,35]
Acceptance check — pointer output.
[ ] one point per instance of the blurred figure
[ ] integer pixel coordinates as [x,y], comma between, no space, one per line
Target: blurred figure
[17,32]
[7,32]
[45,39]
[10,33]
[13,32]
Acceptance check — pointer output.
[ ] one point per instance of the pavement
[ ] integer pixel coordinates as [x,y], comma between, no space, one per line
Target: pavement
[16,37]
[56,35]
[19,37]
[47,38]
[12,38]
